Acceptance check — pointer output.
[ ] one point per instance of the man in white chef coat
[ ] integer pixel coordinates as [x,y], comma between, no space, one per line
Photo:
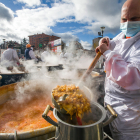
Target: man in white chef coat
[9,57]
[122,66]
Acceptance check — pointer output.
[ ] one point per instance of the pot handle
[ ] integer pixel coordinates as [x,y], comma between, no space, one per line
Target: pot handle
[47,118]
[112,117]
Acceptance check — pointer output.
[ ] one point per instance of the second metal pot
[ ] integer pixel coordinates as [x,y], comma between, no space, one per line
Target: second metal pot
[67,130]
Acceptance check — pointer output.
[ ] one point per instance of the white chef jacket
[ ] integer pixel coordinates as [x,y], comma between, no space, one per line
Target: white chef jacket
[32,55]
[122,86]
[9,58]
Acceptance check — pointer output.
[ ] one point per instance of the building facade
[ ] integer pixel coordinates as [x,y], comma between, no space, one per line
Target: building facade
[41,40]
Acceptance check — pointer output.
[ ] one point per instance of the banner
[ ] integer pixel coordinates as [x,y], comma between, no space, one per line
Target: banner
[59,49]
[53,49]
[40,45]
[55,43]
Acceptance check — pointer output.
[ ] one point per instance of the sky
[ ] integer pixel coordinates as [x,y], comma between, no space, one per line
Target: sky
[69,19]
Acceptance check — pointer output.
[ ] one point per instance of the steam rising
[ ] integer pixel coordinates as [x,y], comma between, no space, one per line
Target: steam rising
[40,81]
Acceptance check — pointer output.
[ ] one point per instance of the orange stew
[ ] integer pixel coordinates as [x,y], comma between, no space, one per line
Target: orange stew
[24,117]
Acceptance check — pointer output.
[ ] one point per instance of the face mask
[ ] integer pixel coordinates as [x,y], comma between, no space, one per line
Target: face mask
[130,28]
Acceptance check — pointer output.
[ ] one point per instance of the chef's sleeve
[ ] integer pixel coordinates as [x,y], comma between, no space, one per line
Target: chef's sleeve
[125,74]
[32,55]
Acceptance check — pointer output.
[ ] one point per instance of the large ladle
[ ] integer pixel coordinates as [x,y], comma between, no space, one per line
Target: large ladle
[85,75]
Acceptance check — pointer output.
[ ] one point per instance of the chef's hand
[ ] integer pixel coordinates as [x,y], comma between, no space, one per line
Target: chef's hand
[104,40]
[102,48]
[103,45]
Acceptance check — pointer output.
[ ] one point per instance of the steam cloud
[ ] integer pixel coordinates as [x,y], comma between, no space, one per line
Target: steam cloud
[40,81]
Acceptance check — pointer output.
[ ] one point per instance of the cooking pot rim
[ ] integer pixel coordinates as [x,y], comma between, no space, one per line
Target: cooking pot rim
[83,126]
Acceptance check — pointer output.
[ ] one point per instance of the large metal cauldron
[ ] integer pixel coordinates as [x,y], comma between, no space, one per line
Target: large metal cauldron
[50,67]
[6,92]
[68,129]
[10,78]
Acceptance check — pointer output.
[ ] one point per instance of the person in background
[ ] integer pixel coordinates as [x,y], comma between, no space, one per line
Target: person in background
[45,54]
[9,57]
[122,66]
[29,54]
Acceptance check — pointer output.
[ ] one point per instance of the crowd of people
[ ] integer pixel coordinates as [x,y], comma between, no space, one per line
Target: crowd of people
[10,58]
